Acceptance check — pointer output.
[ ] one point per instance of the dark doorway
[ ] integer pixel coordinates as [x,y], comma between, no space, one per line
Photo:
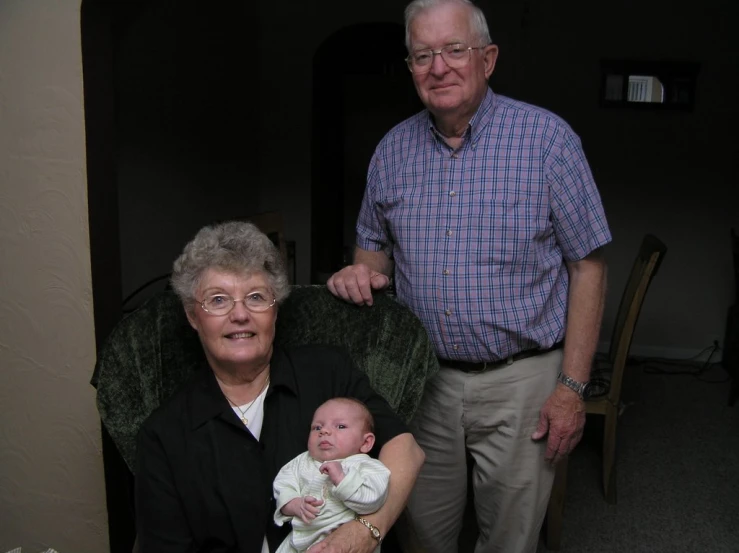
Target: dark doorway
[361,89]
[167,113]
[96,21]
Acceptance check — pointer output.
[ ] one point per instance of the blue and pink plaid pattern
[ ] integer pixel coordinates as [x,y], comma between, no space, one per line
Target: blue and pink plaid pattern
[478,235]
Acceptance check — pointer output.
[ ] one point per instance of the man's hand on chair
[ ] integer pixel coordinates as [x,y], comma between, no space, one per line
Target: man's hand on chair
[355,283]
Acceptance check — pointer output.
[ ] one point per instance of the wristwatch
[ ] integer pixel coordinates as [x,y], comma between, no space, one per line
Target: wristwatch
[371,527]
[580,388]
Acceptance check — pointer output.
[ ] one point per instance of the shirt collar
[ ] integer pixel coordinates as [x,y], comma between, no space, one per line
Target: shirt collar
[281,372]
[209,402]
[483,116]
[479,121]
[207,399]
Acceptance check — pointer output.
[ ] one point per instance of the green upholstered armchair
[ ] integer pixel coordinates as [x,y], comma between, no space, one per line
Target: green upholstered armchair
[154,349]
[387,341]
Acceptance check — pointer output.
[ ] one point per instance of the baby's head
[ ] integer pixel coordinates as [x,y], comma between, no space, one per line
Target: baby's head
[341,427]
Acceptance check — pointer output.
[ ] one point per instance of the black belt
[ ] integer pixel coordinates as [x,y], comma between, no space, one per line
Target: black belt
[477,367]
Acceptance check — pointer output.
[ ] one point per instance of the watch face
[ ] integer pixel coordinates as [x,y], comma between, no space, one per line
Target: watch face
[586,389]
[375,532]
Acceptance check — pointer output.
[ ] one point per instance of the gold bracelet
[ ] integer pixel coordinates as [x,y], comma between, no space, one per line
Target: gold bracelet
[371,527]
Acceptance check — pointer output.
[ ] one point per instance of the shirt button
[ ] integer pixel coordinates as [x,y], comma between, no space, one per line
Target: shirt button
[456,347]
[448,312]
[449,233]
[452,193]
[445,272]
[454,155]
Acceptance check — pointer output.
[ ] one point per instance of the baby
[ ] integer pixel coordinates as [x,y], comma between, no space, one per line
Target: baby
[334,480]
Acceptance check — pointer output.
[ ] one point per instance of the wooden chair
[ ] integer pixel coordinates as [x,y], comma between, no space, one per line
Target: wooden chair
[648,260]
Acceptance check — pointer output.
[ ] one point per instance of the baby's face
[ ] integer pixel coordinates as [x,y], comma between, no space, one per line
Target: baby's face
[339,429]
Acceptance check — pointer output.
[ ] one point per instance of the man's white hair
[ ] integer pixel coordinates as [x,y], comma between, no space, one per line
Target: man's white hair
[478,23]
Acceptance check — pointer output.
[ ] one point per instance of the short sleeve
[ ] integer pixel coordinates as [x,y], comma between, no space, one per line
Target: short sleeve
[372,232]
[578,216]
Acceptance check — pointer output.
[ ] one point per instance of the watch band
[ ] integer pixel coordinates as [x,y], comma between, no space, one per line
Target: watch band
[371,527]
[577,387]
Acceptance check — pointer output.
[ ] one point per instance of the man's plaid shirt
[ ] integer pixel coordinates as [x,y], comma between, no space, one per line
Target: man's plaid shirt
[479,235]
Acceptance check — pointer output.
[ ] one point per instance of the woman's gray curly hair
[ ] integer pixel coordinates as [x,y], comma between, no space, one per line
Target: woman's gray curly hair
[234,247]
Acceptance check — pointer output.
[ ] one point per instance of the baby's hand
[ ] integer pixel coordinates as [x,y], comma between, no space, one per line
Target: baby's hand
[334,470]
[305,508]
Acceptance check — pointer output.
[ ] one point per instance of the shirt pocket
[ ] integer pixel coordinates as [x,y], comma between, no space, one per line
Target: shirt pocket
[502,227]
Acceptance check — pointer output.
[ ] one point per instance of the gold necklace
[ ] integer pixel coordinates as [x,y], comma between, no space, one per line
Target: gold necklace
[243,412]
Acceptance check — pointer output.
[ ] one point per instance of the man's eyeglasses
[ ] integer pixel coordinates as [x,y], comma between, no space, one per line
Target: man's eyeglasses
[455,56]
[223,304]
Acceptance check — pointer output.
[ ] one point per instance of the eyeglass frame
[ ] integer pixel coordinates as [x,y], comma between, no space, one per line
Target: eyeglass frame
[234,301]
[409,60]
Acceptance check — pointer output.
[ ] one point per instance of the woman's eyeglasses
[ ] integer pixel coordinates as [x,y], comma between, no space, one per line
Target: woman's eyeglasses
[223,304]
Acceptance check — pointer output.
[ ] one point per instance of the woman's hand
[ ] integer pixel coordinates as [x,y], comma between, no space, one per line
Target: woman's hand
[404,458]
[350,537]
[305,508]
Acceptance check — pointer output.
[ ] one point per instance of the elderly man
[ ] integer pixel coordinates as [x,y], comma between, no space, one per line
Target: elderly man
[485,212]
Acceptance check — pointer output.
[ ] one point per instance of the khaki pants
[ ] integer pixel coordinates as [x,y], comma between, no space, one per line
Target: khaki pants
[492,415]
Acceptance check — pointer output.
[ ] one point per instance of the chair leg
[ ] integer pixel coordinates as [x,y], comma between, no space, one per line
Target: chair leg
[555,509]
[609,454]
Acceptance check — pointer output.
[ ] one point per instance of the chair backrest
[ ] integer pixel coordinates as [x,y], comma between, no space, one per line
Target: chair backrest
[647,261]
[153,351]
[386,341]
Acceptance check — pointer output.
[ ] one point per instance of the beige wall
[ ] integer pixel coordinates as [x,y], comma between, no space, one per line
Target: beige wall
[51,481]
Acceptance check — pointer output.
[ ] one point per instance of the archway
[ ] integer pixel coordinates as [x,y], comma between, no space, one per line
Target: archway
[361,88]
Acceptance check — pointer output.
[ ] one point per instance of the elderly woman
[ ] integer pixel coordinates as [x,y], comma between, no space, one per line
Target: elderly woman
[208,456]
